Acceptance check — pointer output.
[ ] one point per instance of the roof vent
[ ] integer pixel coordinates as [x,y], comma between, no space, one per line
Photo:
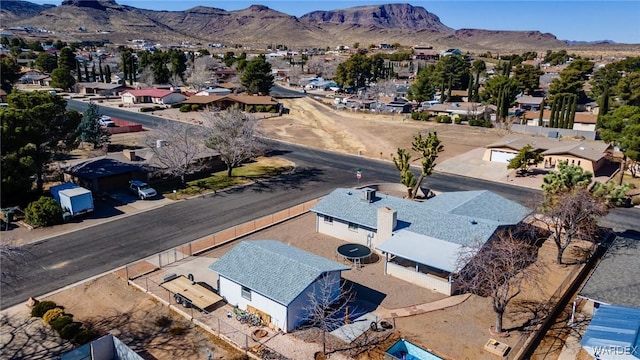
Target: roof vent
[473,222]
[581,147]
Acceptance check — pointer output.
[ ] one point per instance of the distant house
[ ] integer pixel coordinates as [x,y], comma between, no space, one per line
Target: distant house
[105,174]
[276,280]
[527,102]
[463,110]
[219,91]
[419,240]
[583,121]
[98,88]
[452,51]
[243,102]
[589,155]
[152,96]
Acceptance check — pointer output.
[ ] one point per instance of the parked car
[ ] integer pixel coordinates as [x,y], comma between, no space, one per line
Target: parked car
[141,189]
[106,121]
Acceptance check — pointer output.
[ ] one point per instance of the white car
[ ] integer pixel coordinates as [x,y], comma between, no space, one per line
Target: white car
[106,121]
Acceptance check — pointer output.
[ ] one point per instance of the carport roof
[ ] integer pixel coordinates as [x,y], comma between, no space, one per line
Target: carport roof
[442,254]
[102,167]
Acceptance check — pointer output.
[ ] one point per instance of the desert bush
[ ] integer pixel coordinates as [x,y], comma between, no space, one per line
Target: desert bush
[177,330]
[177,105]
[195,107]
[42,307]
[84,336]
[163,321]
[70,330]
[635,200]
[43,212]
[146,109]
[457,120]
[52,314]
[443,119]
[185,108]
[61,321]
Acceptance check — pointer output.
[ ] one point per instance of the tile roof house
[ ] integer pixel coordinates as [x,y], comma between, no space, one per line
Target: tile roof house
[155,96]
[276,280]
[244,102]
[100,88]
[420,240]
[589,155]
[584,121]
[527,102]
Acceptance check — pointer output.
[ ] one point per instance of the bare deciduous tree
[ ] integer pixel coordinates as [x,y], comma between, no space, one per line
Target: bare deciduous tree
[145,79]
[234,135]
[573,215]
[499,268]
[178,149]
[200,72]
[327,305]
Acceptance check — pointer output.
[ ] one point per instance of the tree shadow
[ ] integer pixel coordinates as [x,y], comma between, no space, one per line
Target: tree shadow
[29,338]
[289,181]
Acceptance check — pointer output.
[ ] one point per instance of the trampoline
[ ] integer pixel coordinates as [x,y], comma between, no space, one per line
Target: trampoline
[354,253]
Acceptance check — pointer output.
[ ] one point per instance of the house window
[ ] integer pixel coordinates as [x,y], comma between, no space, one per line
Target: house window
[578,162]
[246,293]
[353,227]
[328,219]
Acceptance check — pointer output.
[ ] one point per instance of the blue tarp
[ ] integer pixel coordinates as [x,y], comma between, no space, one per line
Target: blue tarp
[614,333]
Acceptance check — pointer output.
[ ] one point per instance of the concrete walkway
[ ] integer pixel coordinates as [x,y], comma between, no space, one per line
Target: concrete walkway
[421,308]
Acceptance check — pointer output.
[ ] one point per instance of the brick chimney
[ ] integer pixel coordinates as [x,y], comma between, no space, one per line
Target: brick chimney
[130,154]
[387,222]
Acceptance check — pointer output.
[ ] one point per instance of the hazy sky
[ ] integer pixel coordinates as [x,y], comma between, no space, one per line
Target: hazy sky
[569,20]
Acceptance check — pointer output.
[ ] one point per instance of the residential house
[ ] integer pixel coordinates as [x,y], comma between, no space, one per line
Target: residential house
[583,121]
[527,102]
[276,280]
[106,347]
[152,96]
[452,51]
[219,91]
[420,241]
[425,52]
[105,173]
[589,155]
[612,292]
[464,110]
[244,102]
[98,88]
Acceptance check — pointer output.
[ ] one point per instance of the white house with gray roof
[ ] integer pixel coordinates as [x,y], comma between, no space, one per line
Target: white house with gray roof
[420,240]
[276,280]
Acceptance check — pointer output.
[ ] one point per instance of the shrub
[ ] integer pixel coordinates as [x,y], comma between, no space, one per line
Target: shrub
[443,119]
[52,314]
[70,330]
[481,123]
[177,330]
[185,108]
[268,108]
[635,200]
[42,307]
[61,321]
[146,109]
[163,321]
[457,120]
[177,105]
[195,107]
[120,105]
[84,336]
[43,212]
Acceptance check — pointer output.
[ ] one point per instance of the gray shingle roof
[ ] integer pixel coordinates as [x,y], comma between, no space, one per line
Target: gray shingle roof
[616,279]
[458,217]
[273,269]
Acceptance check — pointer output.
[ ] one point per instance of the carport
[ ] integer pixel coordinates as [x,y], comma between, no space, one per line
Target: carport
[105,174]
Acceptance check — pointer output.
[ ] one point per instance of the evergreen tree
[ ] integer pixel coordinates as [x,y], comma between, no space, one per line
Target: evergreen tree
[525,158]
[89,129]
[93,73]
[572,110]
[257,77]
[78,72]
[541,118]
[470,90]
[562,117]
[107,76]
[100,69]
[554,113]
[86,72]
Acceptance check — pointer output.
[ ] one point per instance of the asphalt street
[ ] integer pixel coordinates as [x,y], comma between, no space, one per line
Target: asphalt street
[66,259]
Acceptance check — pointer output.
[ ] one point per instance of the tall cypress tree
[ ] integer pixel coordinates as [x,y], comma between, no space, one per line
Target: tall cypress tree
[541,117]
[572,112]
[552,117]
[86,72]
[108,74]
[470,89]
[93,73]
[604,106]
[78,72]
[562,116]
[100,69]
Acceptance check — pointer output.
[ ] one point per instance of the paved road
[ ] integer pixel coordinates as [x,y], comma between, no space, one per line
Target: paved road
[66,259]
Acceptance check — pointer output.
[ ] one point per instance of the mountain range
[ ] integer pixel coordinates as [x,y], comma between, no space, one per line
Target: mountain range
[259,25]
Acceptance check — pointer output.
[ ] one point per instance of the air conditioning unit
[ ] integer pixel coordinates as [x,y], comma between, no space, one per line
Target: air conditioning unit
[368,194]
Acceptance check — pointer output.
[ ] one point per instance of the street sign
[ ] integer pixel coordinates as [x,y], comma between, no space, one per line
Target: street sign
[358,174]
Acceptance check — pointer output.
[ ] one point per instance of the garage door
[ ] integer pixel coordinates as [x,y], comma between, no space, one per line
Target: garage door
[501,156]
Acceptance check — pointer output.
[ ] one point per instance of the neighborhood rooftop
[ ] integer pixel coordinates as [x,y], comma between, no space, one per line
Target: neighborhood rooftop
[457,217]
[592,150]
[615,280]
[276,270]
